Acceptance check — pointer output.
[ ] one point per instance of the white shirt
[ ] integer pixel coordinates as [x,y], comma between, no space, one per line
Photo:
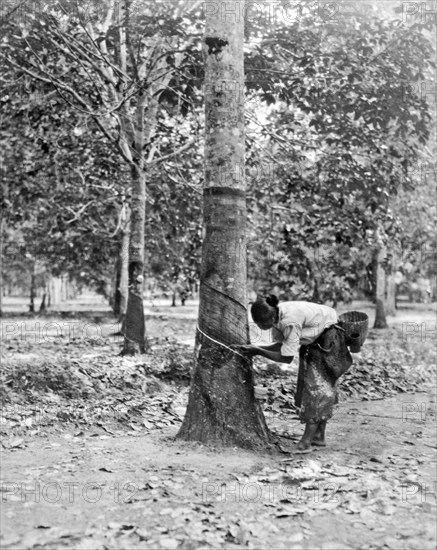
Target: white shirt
[300,323]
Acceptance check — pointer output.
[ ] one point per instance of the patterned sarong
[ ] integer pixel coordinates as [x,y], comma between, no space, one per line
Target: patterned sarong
[320,365]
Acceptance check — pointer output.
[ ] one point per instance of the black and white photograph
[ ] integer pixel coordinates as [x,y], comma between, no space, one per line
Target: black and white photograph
[218,275]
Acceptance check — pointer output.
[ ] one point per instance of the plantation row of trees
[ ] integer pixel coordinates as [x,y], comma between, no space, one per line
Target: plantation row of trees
[102,149]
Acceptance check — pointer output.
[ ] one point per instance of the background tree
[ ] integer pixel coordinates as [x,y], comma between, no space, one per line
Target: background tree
[113,66]
[316,199]
[336,146]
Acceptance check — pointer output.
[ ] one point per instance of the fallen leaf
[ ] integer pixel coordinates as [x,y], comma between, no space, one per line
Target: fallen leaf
[9,540]
[295,537]
[393,543]
[168,543]
[120,526]
[287,511]
[333,545]
[14,443]
[143,533]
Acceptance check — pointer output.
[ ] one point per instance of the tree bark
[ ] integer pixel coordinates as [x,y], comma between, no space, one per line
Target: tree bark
[63,288]
[390,282]
[379,258]
[124,275]
[134,327]
[222,409]
[1,265]
[134,324]
[390,305]
[115,301]
[56,297]
[43,304]
[32,288]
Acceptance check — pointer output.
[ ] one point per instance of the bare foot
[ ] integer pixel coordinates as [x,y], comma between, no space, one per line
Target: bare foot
[319,436]
[303,447]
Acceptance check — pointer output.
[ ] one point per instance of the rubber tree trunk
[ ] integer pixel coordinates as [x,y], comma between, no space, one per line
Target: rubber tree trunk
[56,294]
[134,328]
[124,272]
[123,286]
[379,258]
[32,288]
[115,303]
[1,265]
[222,409]
[390,304]
[64,288]
[43,306]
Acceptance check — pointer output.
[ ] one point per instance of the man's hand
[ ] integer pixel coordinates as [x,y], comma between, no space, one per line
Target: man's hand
[266,352]
[246,349]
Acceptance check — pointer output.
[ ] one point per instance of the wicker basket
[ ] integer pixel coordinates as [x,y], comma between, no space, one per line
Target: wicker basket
[356,326]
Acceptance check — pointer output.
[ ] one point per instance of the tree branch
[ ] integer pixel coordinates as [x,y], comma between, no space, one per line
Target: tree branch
[79,212]
[181,149]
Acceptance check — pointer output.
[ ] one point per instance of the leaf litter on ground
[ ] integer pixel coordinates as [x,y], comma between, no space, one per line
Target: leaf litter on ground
[86,383]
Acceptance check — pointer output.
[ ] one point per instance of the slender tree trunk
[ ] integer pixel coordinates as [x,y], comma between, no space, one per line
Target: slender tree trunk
[49,290]
[64,283]
[119,305]
[124,258]
[380,256]
[56,295]
[115,301]
[32,288]
[123,282]
[134,328]
[1,265]
[390,305]
[222,409]
[392,284]
[43,304]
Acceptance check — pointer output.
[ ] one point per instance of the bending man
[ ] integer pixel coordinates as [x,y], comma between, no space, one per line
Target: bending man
[311,331]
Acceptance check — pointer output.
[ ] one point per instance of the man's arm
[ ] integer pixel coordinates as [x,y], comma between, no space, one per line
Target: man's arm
[272,352]
[273,355]
[276,346]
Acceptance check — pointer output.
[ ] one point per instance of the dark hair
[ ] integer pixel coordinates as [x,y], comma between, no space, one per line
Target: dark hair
[272,300]
[261,309]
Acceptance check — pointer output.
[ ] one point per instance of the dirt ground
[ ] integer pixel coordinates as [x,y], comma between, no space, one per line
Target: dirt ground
[372,487]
